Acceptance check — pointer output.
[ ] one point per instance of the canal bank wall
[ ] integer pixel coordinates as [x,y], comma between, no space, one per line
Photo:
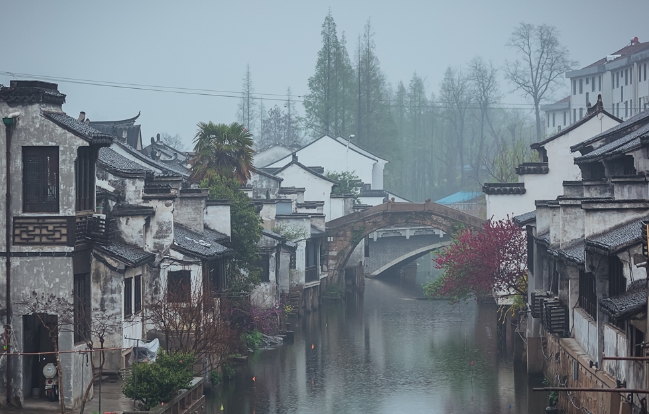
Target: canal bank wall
[564,363]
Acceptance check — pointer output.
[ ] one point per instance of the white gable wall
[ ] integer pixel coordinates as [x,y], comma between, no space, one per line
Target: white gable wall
[316,188]
[334,156]
[561,167]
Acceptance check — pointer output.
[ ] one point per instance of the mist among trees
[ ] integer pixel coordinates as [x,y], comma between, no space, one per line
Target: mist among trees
[439,139]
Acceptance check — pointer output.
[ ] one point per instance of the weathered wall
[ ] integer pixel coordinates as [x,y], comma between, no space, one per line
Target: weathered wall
[264,187]
[189,209]
[159,232]
[217,217]
[585,332]
[559,355]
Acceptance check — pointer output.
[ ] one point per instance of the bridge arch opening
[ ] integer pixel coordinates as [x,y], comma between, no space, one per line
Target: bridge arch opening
[344,234]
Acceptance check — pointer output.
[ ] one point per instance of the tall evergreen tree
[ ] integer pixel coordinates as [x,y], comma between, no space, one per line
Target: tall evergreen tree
[247,111]
[327,102]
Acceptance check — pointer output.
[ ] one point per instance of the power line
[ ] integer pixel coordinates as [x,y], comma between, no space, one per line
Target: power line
[237,95]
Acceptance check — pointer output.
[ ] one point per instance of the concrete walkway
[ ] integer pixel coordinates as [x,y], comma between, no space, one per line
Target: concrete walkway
[112,401]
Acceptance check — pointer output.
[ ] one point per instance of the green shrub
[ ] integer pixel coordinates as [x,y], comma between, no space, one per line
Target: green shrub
[228,372]
[159,381]
[254,339]
[215,377]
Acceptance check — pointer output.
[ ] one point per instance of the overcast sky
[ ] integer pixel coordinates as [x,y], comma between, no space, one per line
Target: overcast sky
[206,45]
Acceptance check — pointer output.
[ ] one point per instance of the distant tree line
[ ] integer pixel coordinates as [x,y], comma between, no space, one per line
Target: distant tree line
[437,142]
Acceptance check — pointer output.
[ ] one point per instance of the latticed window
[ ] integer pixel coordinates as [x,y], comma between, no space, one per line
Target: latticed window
[40,179]
[587,293]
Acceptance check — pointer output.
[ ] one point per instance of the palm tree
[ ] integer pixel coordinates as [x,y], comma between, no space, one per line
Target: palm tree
[222,150]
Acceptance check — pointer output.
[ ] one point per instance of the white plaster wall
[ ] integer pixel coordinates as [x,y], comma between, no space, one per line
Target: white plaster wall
[377,175]
[131,228]
[585,332]
[597,221]
[333,156]
[631,272]
[615,344]
[572,222]
[217,217]
[336,208]
[159,233]
[316,189]
[501,205]
[561,168]
[370,201]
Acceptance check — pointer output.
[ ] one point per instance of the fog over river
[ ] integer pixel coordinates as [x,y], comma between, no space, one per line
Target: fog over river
[385,352]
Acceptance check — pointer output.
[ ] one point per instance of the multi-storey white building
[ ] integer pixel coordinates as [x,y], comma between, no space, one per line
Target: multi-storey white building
[621,79]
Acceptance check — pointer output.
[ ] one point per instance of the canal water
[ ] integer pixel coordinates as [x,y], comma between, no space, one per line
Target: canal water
[386,351]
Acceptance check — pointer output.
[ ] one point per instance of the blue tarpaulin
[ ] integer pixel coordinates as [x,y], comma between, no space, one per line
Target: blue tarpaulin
[459,197]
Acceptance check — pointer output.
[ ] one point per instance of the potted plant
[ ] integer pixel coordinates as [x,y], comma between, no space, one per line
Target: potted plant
[553,399]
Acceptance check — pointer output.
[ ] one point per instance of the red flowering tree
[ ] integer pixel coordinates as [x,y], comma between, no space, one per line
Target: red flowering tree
[478,263]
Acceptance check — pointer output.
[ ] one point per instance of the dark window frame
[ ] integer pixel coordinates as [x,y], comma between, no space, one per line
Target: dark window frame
[179,284]
[41,176]
[616,279]
[263,262]
[588,293]
[84,179]
[128,297]
[137,293]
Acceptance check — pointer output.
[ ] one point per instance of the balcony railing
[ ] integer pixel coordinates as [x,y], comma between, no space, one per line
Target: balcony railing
[81,229]
[100,229]
[311,274]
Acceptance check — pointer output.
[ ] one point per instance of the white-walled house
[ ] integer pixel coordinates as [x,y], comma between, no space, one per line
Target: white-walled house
[316,186]
[620,78]
[586,269]
[544,180]
[557,116]
[339,155]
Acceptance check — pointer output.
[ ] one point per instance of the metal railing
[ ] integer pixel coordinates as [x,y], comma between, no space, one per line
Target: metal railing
[189,401]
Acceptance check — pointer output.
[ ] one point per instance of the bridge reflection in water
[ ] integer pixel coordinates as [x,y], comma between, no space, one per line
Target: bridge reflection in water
[385,352]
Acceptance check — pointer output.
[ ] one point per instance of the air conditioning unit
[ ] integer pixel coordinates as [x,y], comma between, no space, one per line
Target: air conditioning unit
[555,317]
[537,298]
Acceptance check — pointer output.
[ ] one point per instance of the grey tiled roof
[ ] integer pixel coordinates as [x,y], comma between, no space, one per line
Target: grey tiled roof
[216,235]
[618,237]
[146,161]
[629,303]
[130,255]
[272,234]
[545,236]
[117,162]
[524,218]
[316,232]
[574,252]
[198,244]
[176,166]
[642,116]
[612,146]
[78,128]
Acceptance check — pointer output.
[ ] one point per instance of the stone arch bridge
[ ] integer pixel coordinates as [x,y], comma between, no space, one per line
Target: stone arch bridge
[344,233]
